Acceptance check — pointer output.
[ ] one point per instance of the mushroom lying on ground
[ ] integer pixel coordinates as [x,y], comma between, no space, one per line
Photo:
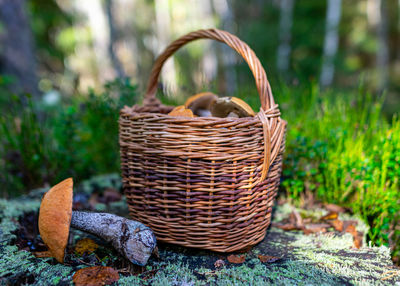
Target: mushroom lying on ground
[200,103]
[231,107]
[181,111]
[132,239]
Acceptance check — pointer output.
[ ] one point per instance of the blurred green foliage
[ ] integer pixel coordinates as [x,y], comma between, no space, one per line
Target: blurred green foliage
[77,137]
[339,147]
[47,20]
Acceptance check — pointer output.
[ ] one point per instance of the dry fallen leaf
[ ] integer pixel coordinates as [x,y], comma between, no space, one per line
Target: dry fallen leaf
[296,219]
[85,245]
[268,258]
[346,223]
[334,208]
[96,275]
[245,250]
[93,200]
[236,258]
[42,254]
[357,240]
[351,229]
[337,224]
[330,216]
[111,195]
[219,263]
[315,228]
[285,226]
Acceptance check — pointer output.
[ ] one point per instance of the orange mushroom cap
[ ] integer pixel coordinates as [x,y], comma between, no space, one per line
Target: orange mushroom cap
[243,105]
[200,102]
[55,218]
[231,106]
[181,111]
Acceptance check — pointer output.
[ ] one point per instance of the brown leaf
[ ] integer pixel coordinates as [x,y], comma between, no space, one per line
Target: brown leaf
[111,195]
[334,208]
[337,224]
[346,223]
[351,229]
[268,258]
[96,275]
[219,263]
[295,218]
[156,253]
[245,250]
[330,216]
[42,254]
[315,228]
[85,245]
[236,258]
[357,240]
[285,226]
[94,200]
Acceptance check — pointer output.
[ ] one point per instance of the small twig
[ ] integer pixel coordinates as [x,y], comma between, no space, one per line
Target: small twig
[394,273]
[230,275]
[123,270]
[81,261]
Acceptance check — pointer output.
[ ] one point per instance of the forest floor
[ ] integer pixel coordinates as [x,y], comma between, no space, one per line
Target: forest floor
[304,246]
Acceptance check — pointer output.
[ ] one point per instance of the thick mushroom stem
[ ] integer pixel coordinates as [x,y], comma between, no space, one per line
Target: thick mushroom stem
[132,239]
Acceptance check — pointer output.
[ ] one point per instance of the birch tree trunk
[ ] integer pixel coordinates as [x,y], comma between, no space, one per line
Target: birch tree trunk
[398,25]
[112,39]
[285,26]
[333,14]
[382,56]
[227,55]
[377,19]
[17,55]
[97,23]
[209,60]
[163,25]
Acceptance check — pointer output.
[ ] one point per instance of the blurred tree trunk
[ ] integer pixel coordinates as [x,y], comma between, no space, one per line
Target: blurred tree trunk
[99,65]
[209,60]
[17,55]
[331,42]
[377,18]
[225,53]
[285,26]
[382,56]
[163,26]
[113,38]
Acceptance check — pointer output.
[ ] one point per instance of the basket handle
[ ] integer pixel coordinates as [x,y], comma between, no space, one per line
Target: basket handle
[263,86]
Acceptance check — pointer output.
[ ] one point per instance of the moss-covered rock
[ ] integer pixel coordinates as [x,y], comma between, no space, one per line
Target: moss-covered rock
[317,259]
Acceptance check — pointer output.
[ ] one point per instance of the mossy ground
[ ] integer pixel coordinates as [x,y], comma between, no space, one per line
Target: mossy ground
[319,259]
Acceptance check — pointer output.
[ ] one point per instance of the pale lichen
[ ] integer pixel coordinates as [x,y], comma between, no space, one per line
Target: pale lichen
[318,259]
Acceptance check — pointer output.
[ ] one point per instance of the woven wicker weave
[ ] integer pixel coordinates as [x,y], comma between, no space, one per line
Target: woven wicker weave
[203,182]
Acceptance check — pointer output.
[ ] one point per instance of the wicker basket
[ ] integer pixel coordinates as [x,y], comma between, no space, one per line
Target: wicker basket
[203,182]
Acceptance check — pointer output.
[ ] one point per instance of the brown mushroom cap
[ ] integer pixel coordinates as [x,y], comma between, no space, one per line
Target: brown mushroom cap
[55,218]
[200,102]
[231,107]
[181,111]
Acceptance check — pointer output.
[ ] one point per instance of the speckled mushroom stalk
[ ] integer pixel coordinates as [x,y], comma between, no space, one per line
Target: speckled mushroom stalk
[132,239]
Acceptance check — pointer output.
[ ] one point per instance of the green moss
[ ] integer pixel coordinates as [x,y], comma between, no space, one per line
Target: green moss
[15,264]
[11,210]
[320,259]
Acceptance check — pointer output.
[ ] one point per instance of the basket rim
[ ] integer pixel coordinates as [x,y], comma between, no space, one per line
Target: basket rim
[130,111]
